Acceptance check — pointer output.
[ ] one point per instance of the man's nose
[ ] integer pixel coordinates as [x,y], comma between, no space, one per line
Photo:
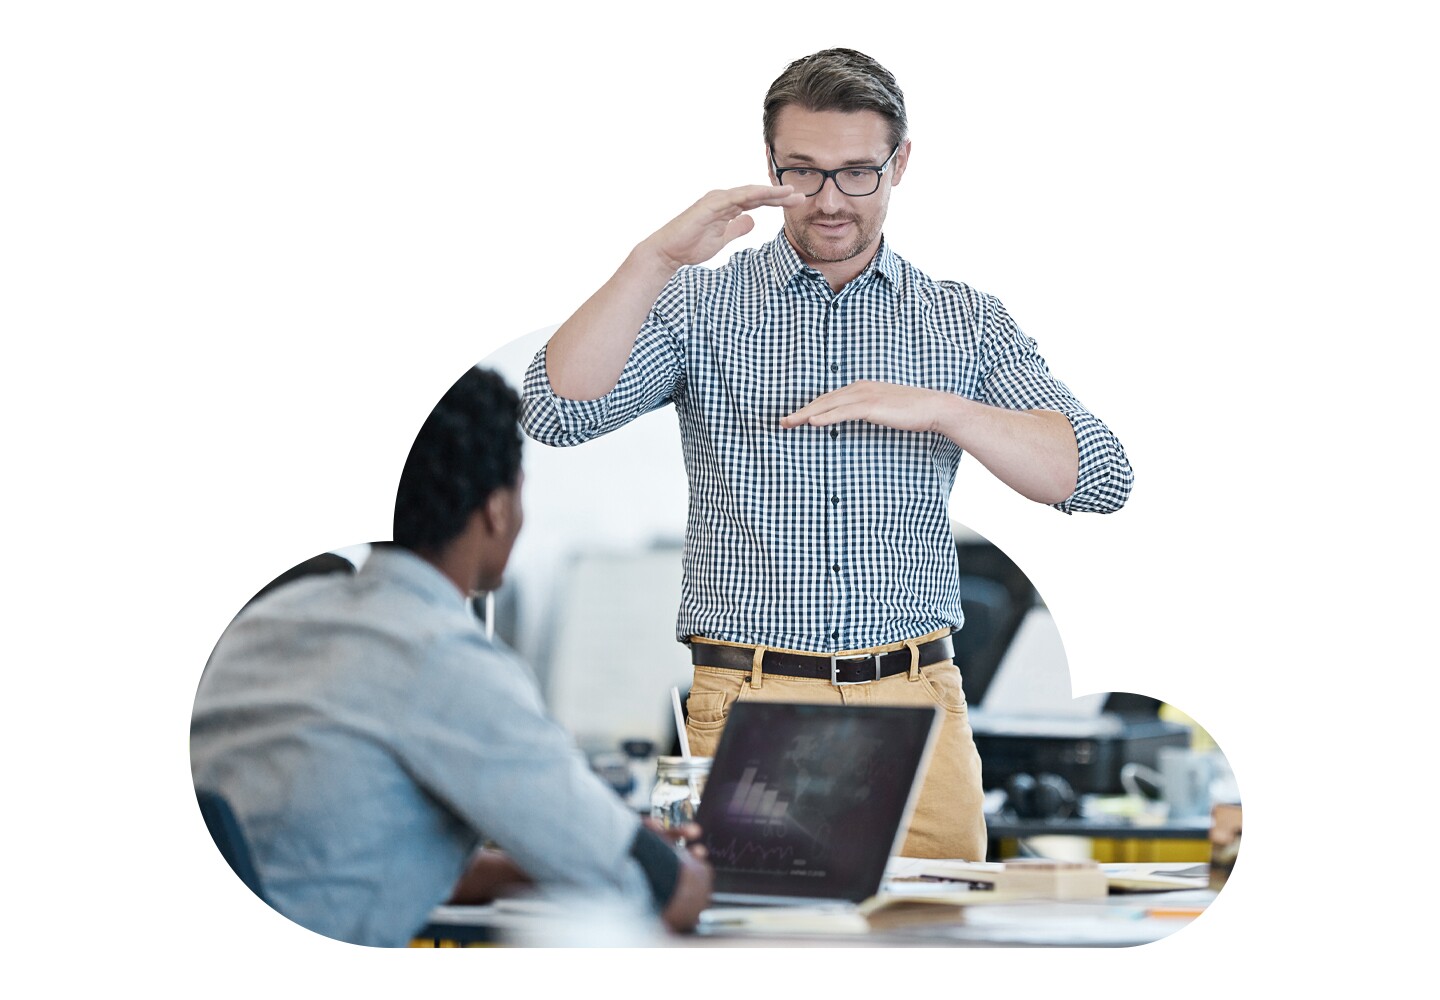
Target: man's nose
[829,199]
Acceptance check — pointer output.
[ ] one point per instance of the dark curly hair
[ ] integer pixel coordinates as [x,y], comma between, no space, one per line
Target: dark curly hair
[467,448]
[837,80]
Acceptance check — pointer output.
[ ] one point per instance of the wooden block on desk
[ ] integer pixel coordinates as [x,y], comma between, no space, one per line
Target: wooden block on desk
[1053,879]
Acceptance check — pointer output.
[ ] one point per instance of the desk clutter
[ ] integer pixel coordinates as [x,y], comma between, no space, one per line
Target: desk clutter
[971,882]
[922,901]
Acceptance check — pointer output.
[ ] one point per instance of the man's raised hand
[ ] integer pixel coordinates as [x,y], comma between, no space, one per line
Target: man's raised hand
[699,232]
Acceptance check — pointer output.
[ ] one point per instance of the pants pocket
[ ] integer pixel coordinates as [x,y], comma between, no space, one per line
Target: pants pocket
[942,681]
[711,694]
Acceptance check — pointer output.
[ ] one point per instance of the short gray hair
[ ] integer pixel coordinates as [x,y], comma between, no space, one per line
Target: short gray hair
[837,80]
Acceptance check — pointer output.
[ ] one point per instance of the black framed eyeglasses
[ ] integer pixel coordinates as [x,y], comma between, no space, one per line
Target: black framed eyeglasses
[856,182]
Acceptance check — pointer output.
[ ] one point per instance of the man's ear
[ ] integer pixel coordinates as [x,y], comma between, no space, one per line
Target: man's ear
[493,513]
[902,160]
[478,523]
[770,170]
[500,511]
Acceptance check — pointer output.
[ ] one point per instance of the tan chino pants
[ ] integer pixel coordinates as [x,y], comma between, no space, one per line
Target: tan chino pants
[949,817]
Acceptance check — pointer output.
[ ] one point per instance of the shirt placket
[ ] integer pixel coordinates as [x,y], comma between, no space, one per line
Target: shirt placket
[836,484]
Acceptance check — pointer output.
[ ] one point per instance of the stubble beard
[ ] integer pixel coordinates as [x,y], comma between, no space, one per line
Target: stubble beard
[825,252]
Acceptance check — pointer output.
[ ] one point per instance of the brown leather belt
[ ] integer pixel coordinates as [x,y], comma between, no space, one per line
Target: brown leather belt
[855,669]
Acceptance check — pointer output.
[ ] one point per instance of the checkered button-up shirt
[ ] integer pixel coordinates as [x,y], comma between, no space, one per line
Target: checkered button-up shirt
[820,538]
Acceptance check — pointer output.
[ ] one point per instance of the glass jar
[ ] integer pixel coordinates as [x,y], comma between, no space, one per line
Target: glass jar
[679,783]
[640,759]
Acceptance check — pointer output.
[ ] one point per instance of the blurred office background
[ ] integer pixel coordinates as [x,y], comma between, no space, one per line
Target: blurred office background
[590,600]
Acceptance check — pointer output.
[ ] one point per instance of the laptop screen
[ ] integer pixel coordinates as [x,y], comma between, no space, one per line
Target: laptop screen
[808,801]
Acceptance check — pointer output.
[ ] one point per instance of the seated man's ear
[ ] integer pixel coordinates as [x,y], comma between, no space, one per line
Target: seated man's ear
[503,512]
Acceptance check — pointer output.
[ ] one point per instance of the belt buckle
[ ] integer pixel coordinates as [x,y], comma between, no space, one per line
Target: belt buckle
[835,678]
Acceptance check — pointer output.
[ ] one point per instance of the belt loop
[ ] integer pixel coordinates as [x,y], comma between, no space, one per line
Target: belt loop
[757,669]
[914,647]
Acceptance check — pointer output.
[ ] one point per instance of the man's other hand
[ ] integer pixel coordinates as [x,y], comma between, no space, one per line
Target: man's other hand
[696,879]
[903,407]
[489,874]
[1032,451]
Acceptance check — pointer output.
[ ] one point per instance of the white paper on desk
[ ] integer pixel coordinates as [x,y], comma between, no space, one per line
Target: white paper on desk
[785,919]
[1153,878]
[1073,925]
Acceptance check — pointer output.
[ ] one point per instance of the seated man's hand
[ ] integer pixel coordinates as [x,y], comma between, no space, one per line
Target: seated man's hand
[695,882]
[489,874]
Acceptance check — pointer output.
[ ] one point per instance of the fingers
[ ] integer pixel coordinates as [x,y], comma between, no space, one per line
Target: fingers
[698,233]
[800,416]
[823,410]
[748,196]
[738,227]
[685,833]
[884,404]
[824,416]
[899,406]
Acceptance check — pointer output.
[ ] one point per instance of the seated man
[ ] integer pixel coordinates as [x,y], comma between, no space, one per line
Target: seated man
[367,734]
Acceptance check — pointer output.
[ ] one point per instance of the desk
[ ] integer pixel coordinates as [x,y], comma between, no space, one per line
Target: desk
[1117,920]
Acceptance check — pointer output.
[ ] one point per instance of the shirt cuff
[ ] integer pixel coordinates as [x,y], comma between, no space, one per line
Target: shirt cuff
[553,419]
[659,862]
[1103,478]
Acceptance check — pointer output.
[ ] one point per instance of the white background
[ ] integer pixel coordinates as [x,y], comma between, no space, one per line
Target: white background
[247,246]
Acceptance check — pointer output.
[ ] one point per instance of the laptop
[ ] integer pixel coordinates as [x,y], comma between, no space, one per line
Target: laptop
[805,804]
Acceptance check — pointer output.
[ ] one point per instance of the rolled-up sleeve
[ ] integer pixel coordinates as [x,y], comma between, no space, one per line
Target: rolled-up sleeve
[1017,377]
[653,374]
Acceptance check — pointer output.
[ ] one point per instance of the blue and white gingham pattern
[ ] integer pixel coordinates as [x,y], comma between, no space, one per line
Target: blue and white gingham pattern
[820,539]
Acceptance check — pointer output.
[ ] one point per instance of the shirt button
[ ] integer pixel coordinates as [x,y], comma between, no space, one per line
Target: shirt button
[834,433]
[834,367]
[836,567]
[835,498]
[835,634]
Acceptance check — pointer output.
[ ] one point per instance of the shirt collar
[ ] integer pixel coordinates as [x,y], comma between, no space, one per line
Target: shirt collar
[398,564]
[788,263]
[887,262]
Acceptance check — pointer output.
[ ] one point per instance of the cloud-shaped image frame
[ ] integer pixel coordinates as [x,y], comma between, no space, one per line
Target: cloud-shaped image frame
[1069,780]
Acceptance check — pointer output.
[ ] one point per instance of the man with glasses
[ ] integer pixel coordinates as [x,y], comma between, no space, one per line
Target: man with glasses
[826,390]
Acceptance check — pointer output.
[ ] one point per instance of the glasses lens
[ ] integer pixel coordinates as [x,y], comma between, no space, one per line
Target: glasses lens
[857,183]
[804,180]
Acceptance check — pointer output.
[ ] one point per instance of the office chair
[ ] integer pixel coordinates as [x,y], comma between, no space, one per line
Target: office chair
[229,838]
[992,617]
[325,562]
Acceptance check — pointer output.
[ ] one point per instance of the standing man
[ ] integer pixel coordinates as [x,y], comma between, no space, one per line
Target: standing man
[826,390]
